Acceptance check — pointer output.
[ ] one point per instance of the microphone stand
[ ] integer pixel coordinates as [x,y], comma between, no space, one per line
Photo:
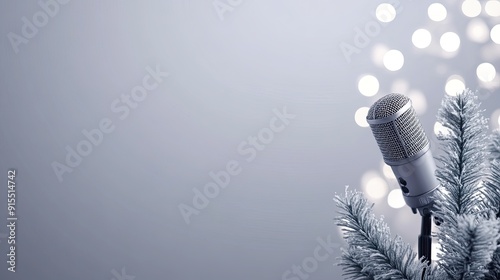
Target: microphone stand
[425,240]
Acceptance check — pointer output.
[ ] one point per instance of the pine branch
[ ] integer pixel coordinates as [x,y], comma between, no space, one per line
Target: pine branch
[377,254]
[494,266]
[352,265]
[494,146]
[467,248]
[492,185]
[464,164]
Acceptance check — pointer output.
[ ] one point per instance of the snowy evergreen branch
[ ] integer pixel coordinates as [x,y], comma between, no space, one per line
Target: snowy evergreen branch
[464,164]
[353,266]
[492,182]
[494,146]
[468,247]
[492,185]
[371,250]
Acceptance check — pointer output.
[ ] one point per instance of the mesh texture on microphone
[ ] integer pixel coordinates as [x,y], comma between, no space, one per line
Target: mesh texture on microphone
[401,138]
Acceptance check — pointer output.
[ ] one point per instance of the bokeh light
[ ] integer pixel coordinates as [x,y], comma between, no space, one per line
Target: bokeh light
[437,12]
[449,41]
[360,116]
[385,12]
[471,8]
[495,34]
[368,85]
[421,38]
[375,187]
[418,101]
[492,8]
[400,86]
[393,60]
[395,199]
[495,119]
[387,171]
[486,72]
[454,85]
[439,128]
[478,31]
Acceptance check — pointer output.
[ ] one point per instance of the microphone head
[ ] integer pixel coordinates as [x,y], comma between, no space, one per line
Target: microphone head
[396,128]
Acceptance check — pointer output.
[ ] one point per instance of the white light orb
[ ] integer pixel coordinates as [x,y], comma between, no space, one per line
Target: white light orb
[376,187]
[492,8]
[455,85]
[486,72]
[439,128]
[495,34]
[418,101]
[436,12]
[471,8]
[385,12]
[368,85]
[360,116]
[449,41]
[421,38]
[387,171]
[495,119]
[400,86]
[395,199]
[393,60]
[478,31]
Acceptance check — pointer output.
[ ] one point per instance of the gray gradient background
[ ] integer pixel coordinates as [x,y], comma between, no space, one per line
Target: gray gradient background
[119,208]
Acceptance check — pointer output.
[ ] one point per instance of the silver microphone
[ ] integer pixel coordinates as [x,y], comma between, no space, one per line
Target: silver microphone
[405,148]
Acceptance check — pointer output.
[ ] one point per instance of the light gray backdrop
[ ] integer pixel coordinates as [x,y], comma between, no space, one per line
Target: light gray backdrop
[235,67]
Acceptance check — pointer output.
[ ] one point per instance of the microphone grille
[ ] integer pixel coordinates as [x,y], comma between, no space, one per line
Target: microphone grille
[387,106]
[402,137]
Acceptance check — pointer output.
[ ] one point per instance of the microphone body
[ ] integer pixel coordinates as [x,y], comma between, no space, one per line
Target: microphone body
[405,148]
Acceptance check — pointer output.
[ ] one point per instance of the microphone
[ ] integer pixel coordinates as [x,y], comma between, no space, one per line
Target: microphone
[406,149]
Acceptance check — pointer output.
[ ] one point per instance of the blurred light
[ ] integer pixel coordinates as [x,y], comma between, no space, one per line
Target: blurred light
[368,85]
[486,72]
[492,8]
[495,34]
[495,119]
[367,176]
[395,199]
[378,52]
[454,85]
[450,41]
[393,60]
[418,101]
[421,38]
[385,12]
[399,86]
[440,129]
[477,30]
[471,8]
[387,171]
[360,116]
[376,187]
[437,12]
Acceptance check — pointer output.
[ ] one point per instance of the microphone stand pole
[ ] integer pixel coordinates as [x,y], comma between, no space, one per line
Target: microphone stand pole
[425,240]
